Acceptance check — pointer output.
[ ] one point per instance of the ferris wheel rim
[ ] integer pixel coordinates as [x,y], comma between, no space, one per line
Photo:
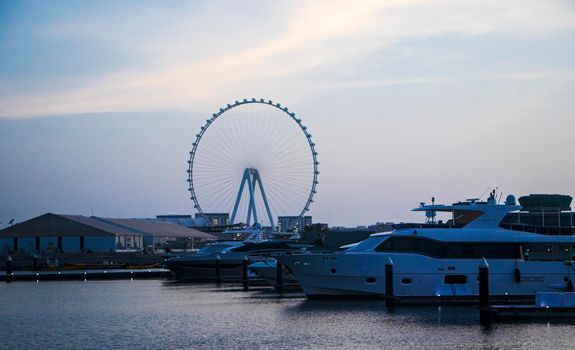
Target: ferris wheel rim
[222,110]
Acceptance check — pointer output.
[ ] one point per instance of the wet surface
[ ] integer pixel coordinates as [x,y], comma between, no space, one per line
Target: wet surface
[160,314]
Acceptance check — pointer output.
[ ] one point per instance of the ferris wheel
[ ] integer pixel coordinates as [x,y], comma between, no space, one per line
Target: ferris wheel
[253,159]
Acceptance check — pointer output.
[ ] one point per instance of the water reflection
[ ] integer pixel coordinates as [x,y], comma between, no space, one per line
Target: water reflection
[152,314]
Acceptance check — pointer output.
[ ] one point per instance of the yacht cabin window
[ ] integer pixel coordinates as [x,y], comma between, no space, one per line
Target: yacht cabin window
[450,250]
[476,250]
[547,251]
[368,244]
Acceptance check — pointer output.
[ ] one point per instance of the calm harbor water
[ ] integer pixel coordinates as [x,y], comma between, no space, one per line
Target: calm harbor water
[160,314]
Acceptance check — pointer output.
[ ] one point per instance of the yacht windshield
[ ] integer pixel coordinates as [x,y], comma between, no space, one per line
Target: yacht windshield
[368,244]
[212,248]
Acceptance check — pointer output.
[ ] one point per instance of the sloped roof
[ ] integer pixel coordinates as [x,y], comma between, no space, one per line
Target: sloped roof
[183,220]
[53,225]
[156,228]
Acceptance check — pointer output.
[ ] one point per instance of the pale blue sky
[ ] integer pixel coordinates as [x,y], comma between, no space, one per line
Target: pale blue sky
[100,101]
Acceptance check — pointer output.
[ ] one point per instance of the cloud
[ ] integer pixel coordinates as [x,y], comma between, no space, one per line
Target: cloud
[560,75]
[318,36]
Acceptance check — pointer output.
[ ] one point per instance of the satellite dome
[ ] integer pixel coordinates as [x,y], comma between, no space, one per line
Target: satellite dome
[510,200]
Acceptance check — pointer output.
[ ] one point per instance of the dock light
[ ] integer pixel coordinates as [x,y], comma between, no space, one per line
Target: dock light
[37,274]
[149,270]
[59,273]
[131,271]
[506,293]
[84,272]
[105,271]
[438,295]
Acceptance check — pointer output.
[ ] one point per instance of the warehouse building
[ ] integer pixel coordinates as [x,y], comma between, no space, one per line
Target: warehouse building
[77,233]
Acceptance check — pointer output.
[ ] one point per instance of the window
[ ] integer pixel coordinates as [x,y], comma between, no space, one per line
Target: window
[455,250]
[369,243]
[451,250]
[405,244]
[496,251]
[430,247]
[215,221]
[455,279]
[547,251]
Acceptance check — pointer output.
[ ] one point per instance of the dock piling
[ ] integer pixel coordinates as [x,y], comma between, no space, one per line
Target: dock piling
[484,310]
[8,269]
[35,262]
[389,297]
[279,277]
[218,268]
[245,277]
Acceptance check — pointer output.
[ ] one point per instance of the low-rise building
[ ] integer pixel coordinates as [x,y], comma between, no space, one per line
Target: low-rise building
[77,233]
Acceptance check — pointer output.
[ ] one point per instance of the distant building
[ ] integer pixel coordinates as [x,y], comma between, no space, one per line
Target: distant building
[182,220]
[77,233]
[213,219]
[289,223]
[381,226]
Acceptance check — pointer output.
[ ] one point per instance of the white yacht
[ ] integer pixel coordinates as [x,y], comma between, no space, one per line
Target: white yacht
[442,260]
[266,268]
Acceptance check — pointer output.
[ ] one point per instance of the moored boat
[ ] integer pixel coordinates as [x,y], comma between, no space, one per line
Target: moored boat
[224,260]
[441,261]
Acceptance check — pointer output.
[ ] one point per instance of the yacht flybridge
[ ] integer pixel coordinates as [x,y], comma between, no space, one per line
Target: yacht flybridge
[441,259]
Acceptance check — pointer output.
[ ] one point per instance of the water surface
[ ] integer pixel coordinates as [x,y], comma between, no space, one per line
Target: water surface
[160,314]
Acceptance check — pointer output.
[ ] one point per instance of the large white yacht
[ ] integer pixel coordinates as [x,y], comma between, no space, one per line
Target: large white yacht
[442,259]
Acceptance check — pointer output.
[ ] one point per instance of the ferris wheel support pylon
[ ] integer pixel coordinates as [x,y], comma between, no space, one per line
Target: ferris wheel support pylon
[252,177]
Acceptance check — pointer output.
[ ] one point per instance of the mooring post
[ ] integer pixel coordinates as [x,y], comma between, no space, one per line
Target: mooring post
[484,310]
[245,277]
[389,297]
[35,262]
[218,272]
[9,269]
[279,277]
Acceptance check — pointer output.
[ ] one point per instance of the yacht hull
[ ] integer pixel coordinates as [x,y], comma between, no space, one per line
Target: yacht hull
[203,269]
[416,276]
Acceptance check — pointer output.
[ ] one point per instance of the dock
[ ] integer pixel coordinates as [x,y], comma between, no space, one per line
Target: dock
[520,312]
[99,274]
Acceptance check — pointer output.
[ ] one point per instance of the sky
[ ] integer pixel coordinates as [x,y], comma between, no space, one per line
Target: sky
[100,101]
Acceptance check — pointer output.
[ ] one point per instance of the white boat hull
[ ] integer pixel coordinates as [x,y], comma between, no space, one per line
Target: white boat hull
[417,276]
